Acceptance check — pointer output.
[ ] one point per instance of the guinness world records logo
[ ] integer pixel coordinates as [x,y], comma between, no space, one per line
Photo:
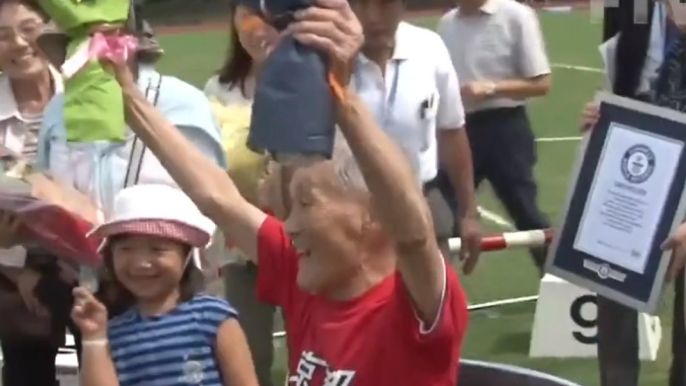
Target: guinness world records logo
[638,164]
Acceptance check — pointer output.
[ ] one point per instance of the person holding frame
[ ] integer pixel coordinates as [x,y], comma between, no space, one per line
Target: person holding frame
[643,62]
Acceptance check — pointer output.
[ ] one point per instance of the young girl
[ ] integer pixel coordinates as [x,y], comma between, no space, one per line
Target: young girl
[171,335]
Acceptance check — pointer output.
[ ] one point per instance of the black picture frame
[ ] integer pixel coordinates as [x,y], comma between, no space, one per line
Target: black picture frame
[640,291]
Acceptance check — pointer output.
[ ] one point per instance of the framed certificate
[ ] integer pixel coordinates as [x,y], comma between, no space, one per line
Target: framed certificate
[627,196]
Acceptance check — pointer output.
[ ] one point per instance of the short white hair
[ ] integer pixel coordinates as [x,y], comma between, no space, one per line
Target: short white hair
[345,165]
[346,168]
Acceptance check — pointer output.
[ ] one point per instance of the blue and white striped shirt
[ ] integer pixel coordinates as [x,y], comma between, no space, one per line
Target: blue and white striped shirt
[174,349]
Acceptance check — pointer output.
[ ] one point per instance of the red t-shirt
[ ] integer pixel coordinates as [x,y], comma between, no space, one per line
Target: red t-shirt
[374,340]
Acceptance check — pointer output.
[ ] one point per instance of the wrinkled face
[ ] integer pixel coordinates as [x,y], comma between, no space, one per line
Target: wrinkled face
[259,42]
[149,267]
[379,19]
[327,226]
[19,29]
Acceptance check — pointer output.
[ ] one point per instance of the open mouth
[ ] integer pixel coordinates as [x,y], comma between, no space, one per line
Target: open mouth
[143,278]
[23,60]
[301,247]
[304,253]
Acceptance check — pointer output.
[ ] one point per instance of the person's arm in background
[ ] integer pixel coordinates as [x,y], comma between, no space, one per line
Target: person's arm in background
[455,155]
[532,64]
[400,205]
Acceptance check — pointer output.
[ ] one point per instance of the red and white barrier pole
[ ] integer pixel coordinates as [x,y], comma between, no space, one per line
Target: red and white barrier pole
[509,240]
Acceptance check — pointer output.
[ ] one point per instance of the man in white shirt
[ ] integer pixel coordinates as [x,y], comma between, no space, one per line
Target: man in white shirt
[405,75]
[498,52]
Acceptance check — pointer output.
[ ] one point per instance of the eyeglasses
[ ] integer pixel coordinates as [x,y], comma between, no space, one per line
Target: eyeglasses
[28,31]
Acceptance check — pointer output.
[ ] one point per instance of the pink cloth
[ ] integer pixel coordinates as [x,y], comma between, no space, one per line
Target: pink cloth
[115,48]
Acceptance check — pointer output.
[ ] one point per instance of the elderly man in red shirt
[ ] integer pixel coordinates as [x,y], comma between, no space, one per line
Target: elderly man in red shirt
[368,300]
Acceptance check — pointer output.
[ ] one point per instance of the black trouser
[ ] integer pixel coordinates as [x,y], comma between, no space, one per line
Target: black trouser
[257,319]
[677,373]
[618,342]
[31,362]
[504,153]
[28,363]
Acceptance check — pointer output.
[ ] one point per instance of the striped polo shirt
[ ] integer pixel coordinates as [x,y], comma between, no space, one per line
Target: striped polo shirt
[174,349]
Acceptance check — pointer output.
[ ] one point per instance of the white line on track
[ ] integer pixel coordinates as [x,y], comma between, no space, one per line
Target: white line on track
[495,218]
[559,139]
[577,68]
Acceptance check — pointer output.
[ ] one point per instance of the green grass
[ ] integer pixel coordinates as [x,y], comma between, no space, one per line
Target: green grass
[503,336]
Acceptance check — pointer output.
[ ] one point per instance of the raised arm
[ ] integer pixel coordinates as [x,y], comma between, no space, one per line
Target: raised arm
[199,177]
[396,192]
[400,204]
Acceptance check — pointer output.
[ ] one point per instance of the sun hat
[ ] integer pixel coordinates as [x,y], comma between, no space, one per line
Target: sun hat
[157,210]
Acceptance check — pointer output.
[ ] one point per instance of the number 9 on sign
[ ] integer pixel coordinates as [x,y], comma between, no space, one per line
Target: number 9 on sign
[586,333]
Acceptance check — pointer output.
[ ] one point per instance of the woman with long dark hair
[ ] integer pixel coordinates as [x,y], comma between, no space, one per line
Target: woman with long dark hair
[235,81]
[232,86]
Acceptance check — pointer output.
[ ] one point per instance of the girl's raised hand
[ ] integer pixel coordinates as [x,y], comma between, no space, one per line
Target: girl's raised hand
[89,314]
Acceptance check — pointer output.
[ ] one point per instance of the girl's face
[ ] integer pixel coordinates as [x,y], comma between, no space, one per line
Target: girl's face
[149,267]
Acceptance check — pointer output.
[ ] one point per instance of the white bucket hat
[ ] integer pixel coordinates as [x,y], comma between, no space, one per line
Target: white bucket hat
[157,210]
